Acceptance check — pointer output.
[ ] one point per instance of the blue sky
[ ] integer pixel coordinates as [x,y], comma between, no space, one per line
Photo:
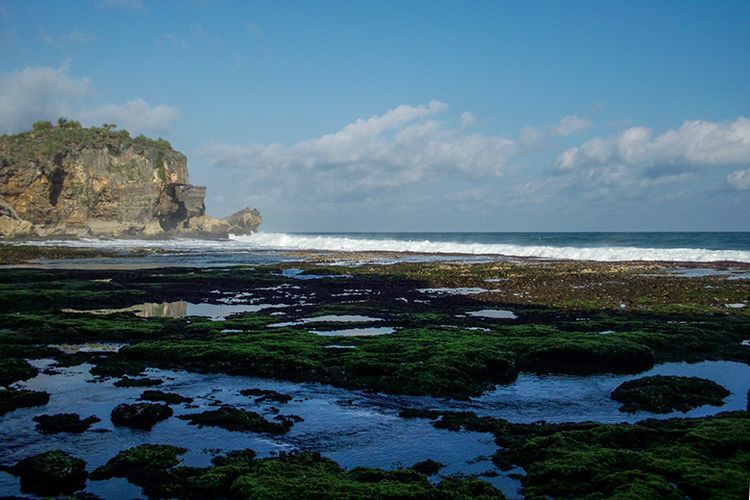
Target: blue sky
[412,116]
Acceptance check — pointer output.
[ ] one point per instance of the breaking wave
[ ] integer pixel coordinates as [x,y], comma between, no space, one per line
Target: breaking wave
[284,241]
[412,243]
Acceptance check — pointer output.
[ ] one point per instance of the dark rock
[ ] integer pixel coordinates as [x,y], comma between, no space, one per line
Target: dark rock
[64,422]
[267,395]
[428,467]
[234,419]
[13,399]
[166,397]
[137,382]
[14,370]
[140,415]
[51,473]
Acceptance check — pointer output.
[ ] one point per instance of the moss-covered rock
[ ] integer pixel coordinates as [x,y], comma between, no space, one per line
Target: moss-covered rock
[64,422]
[51,473]
[140,415]
[165,397]
[664,394]
[468,488]
[17,398]
[308,475]
[235,419]
[141,463]
[15,370]
[428,467]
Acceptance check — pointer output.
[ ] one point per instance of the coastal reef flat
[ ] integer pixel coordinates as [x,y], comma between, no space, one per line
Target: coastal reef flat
[267,357]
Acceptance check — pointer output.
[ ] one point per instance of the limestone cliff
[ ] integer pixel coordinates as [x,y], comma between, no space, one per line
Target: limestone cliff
[66,180]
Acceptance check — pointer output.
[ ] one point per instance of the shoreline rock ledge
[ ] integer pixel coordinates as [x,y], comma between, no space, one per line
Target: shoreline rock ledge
[65,181]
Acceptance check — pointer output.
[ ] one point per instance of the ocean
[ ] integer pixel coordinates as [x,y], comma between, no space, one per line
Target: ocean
[596,246]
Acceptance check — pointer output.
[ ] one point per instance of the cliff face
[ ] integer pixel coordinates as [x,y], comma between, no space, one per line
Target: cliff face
[71,181]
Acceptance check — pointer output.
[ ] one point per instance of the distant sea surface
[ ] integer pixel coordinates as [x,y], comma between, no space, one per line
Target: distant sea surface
[682,246]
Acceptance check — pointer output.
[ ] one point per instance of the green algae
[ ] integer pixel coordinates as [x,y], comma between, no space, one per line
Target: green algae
[677,458]
[239,474]
[664,394]
[140,415]
[51,473]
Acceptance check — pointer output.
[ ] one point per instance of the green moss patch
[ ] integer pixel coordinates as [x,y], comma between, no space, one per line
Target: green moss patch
[664,394]
[140,415]
[51,473]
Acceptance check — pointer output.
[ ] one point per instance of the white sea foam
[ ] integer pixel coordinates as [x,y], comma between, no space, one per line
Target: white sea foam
[285,241]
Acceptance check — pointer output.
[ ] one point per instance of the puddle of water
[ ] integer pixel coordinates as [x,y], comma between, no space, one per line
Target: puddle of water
[352,428]
[355,332]
[90,347]
[496,280]
[334,346]
[732,274]
[738,305]
[297,274]
[182,309]
[745,343]
[453,291]
[493,313]
[329,318]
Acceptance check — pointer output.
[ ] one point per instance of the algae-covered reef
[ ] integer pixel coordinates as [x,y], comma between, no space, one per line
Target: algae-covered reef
[677,458]
[449,330]
[436,347]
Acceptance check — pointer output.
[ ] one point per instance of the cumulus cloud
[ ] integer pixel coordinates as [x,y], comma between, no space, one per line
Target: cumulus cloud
[38,93]
[136,115]
[75,37]
[45,93]
[568,125]
[405,145]
[739,179]
[694,144]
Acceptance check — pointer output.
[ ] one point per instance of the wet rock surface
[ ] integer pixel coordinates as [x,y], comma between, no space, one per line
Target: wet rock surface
[64,422]
[51,473]
[663,394]
[140,415]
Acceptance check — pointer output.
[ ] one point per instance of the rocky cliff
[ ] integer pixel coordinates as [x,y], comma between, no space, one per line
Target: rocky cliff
[65,180]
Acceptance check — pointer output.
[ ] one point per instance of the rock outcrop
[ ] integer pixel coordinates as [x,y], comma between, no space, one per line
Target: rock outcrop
[69,181]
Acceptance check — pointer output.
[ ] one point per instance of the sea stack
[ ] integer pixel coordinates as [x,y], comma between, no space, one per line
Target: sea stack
[64,180]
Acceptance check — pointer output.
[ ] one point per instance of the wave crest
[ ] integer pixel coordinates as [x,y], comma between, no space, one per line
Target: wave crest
[285,241]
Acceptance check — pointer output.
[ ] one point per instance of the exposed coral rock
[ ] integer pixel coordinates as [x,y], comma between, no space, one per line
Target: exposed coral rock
[66,180]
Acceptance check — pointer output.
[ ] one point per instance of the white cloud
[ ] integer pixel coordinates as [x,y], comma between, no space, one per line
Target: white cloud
[75,37]
[403,146]
[468,119]
[694,144]
[739,179]
[45,93]
[572,124]
[136,115]
[568,125]
[39,93]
